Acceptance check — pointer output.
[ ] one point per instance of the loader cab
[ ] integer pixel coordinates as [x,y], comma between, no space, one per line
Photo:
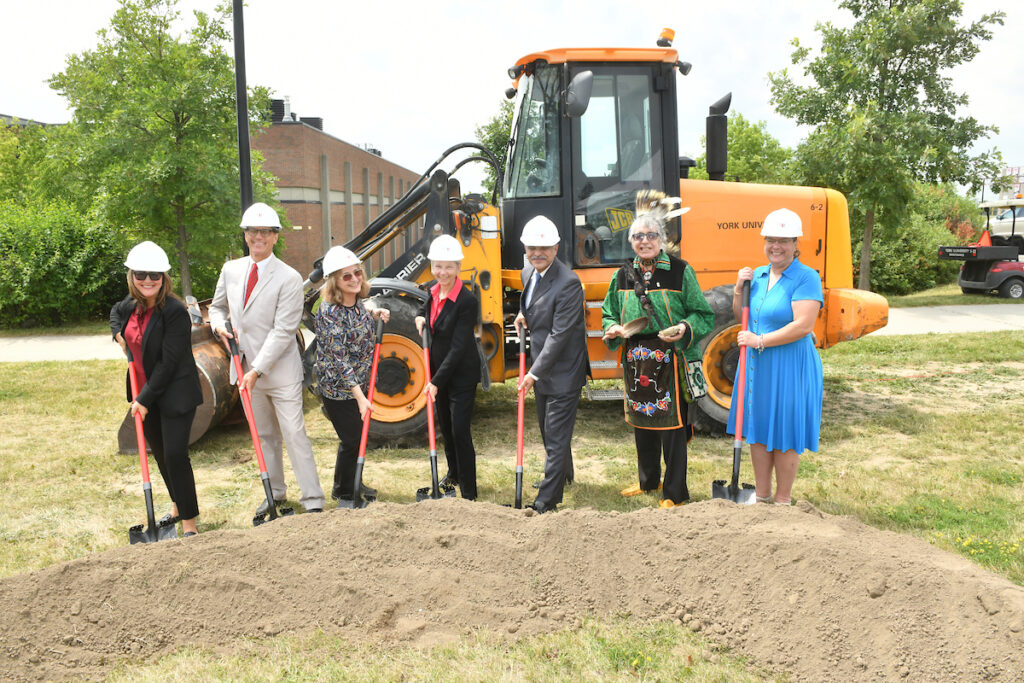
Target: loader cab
[583,170]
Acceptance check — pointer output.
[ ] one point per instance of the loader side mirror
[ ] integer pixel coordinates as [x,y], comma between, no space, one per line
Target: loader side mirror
[577,95]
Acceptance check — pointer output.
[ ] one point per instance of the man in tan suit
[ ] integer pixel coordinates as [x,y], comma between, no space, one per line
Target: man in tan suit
[262,297]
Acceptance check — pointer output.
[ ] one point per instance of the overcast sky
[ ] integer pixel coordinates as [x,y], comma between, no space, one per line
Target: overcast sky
[413,78]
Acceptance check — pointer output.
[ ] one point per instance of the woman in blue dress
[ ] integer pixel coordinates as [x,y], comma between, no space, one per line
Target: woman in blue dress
[782,401]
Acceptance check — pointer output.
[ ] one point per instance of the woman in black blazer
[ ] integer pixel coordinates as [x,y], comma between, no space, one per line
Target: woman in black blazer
[155,325]
[451,311]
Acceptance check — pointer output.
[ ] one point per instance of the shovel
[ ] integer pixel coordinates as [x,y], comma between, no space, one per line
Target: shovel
[155,532]
[243,393]
[745,495]
[519,422]
[357,501]
[433,491]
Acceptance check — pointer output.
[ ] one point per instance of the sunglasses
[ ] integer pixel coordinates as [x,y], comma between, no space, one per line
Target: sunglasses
[142,275]
[262,232]
[347,277]
[641,236]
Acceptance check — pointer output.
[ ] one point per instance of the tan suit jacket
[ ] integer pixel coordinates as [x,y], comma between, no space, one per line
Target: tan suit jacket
[267,324]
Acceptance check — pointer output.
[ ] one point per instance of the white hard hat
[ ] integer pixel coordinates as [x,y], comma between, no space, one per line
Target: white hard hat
[337,258]
[147,257]
[782,223]
[539,231]
[445,248]
[259,215]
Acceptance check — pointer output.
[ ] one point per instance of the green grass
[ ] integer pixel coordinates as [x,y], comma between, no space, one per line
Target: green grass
[946,295]
[615,649]
[81,327]
[920,435]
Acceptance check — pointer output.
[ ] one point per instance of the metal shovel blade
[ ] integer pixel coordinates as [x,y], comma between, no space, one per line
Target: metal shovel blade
[350,504]
[743,495]
[265,517]
[446,491]
[161,532]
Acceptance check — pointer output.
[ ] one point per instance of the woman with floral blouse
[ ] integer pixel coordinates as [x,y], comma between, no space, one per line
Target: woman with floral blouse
[345,337]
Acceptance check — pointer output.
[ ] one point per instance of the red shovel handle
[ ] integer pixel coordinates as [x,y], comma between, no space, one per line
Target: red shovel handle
[373,382]
[133,380]
[430,399]
[741,375]
[522,400]
[243,393]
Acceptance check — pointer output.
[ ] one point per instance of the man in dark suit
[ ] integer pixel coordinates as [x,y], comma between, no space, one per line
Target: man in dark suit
[552,309]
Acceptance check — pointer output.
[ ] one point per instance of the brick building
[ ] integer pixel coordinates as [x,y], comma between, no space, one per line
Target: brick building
[330,189]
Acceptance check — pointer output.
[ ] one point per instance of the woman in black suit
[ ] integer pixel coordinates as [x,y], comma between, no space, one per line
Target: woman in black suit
[451,311]
[154,324]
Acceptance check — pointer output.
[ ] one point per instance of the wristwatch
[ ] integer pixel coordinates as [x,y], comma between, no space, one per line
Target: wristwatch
[259,373]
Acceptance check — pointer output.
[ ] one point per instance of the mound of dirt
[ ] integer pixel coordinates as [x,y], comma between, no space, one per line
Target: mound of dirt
[819,597]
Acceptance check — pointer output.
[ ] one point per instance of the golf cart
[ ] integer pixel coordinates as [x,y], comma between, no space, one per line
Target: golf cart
[994,263]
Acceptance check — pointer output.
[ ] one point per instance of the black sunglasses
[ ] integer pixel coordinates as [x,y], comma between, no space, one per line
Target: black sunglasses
[141,275]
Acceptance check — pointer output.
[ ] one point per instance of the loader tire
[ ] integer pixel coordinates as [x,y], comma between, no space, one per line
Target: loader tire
[720,359]
[399,407]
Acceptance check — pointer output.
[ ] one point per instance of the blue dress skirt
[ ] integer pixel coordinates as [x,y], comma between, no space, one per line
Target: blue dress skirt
[782,403]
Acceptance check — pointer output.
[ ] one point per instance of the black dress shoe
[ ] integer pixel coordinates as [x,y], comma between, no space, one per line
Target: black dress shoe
[263,509]
[448,480]
[188,534]
[541,509]
[315,510]
[366,492]
[168,520]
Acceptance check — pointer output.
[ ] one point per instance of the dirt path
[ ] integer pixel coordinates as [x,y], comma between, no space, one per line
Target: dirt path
[819,597]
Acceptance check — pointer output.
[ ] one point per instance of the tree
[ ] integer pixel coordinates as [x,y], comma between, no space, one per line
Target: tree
[754,155]
[494,136]
[884,115]
[153,137]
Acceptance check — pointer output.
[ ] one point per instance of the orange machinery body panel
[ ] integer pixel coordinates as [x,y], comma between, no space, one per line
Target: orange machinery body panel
[721,234]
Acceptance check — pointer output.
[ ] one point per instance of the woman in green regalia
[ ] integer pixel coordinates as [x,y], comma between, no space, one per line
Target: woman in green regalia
[656,311]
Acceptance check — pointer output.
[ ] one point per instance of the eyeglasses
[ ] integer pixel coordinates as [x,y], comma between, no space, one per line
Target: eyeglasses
[347,277]
[142,275]
[780,240]
[262,232]
[641,236]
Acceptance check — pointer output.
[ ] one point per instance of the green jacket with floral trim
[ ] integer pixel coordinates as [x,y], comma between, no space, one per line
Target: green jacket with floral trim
[675,296]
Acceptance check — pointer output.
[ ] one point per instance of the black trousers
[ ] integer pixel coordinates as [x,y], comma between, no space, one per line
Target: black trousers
[454,413]
[344,415]
[168,437]
[651,444]
[556,417]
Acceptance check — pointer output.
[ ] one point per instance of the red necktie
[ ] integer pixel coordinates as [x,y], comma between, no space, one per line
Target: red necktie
[254,276]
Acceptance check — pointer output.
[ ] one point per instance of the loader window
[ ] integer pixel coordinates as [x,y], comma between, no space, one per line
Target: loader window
[534,166]
[619,152]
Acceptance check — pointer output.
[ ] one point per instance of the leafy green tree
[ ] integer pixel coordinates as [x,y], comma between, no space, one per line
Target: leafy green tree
[884,114]
[494,136]
[153,138]
[754,155]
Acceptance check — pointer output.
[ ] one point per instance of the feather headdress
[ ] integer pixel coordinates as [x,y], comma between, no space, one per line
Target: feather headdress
[656,205]
[659,206]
